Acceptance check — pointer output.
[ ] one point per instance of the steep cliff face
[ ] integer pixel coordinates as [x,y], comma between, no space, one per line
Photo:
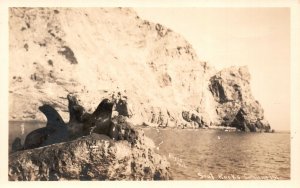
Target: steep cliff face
[236,105]
[111,52]
[98,52]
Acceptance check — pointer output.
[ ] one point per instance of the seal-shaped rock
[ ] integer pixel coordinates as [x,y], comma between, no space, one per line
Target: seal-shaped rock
[54,120]
[81,123]
[78,117]
[54,132]
[100,121]
[37,138]
[104,109]
[76,111]
[123,130]
[17,145]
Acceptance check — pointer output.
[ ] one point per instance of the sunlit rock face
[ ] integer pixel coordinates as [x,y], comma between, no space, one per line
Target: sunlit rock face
[97,53]
[100,53]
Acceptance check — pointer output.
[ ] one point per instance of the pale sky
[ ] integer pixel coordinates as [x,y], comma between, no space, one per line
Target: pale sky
[256,37]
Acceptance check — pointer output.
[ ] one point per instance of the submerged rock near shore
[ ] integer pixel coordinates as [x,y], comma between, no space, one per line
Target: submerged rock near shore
[113,53]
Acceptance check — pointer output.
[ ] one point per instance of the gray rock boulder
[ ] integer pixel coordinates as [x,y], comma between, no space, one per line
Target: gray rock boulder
[94,157]
[196,120]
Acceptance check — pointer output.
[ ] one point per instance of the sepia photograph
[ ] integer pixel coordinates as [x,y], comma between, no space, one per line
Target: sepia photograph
[138,93]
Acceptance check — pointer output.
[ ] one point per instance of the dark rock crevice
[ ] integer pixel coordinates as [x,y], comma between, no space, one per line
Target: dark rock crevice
[217,90]
[68,53]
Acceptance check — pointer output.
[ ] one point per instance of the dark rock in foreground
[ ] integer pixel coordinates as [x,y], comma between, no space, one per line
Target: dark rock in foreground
[94,157]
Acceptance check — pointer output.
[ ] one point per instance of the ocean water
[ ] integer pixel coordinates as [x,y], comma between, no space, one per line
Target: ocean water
[197,154]
[218,155]
[21,129]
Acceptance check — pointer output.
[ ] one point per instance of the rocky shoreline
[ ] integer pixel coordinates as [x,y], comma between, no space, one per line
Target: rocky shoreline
[144,74]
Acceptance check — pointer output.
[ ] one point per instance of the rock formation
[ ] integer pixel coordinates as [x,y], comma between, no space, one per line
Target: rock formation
[112,150]
[236,105]
[94,157]
[153,72]
[80,124]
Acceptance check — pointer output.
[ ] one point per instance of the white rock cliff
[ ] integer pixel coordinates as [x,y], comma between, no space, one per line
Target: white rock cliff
[112,52]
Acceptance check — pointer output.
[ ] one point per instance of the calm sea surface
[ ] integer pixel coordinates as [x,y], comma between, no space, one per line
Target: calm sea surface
[214,154]
[210,154]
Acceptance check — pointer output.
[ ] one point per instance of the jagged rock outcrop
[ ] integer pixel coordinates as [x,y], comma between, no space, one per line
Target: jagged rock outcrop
[236,105]
[94,157]
[198,120]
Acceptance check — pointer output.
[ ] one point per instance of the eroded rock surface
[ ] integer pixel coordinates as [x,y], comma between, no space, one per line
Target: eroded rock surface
[156,73]
[94,157]
[153,66]
[236,106]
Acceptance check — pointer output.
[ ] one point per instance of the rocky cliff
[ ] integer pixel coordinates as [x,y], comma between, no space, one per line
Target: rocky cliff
[98,53]
[236,106]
